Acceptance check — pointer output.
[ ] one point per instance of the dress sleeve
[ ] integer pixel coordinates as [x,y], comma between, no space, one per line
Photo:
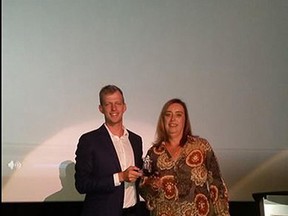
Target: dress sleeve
[217,187]
[148,187]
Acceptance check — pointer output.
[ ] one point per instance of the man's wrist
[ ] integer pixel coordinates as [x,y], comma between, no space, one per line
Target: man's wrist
[121,176]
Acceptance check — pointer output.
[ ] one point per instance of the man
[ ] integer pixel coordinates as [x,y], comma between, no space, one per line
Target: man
[108,162]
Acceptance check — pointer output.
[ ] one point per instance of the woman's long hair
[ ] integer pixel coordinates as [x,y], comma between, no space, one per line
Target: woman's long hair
[161,134]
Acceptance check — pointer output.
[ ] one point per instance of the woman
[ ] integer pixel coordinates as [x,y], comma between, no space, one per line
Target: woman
[184,176]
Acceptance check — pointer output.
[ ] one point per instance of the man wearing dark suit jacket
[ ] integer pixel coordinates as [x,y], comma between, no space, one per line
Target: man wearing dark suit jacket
[108,162]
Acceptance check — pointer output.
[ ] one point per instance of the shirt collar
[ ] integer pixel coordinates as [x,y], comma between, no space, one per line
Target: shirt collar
[125,134]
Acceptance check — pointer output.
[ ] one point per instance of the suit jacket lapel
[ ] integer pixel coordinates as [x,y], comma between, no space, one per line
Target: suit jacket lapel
[109,144]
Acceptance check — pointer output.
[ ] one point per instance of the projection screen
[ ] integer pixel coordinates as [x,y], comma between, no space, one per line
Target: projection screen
[226,59]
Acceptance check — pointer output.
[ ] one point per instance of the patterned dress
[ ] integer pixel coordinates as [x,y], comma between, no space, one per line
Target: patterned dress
[191,185]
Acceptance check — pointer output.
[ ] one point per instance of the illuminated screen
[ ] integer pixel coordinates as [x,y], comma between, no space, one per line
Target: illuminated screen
[226,59]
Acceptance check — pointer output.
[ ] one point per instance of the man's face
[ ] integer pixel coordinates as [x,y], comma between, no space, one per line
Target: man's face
[113,108]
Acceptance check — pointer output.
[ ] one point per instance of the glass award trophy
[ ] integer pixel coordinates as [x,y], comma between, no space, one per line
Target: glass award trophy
[147,166]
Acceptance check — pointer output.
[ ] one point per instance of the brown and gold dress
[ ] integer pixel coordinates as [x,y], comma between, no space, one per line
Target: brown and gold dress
[190,185]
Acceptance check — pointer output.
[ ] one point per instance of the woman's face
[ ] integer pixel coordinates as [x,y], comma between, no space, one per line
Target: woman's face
[174,120]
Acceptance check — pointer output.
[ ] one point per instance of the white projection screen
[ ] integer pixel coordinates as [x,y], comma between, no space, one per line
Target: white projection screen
[228,60]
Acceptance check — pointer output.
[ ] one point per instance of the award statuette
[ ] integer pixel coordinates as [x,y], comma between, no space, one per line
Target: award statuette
[147,166]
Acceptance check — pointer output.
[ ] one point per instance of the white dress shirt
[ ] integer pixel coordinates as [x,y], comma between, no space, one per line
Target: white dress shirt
[126,158]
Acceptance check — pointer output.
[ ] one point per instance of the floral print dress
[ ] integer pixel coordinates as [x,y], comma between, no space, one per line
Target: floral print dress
[190,185]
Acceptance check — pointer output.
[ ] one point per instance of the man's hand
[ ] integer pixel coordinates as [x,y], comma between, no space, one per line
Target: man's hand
[131,174]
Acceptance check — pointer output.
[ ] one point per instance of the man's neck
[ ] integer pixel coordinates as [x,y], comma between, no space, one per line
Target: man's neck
[116,129]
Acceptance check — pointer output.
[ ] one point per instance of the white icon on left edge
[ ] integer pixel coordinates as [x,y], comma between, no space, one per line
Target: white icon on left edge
[14,165]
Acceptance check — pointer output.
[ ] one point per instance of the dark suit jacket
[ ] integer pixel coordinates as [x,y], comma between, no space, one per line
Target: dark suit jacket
[96,162]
